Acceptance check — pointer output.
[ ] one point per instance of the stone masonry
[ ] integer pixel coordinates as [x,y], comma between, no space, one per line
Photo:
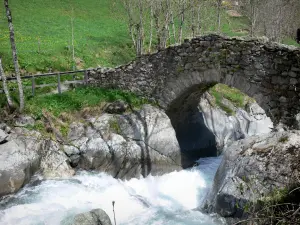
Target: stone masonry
[268,72]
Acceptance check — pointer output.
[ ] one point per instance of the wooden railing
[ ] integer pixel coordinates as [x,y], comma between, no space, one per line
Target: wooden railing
[58,84]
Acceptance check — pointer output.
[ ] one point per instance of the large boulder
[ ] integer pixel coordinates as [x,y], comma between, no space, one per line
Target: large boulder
[54,162]
[126,146]
[254,169]
[94,217]
[229,128]
[19,161]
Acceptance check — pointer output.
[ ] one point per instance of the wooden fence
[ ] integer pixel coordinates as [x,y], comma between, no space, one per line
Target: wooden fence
[58,84]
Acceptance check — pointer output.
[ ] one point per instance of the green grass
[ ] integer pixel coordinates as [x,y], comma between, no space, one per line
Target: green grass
[114,125]
[77,99]
[100,34]
[290,41]
[235,96]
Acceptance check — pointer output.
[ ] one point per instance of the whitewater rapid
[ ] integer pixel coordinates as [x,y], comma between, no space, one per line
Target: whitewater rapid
[154,200]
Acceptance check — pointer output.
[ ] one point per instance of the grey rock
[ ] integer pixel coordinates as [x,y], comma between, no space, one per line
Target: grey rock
[234,127]
[19,161]
[94,217]
[152,127]
[74,160]
[76,131]
[297,121]
[71,150]
[117,107]
[3,136]
[5,128]
[127,146]
[23,121]
[54,163]
[253,168]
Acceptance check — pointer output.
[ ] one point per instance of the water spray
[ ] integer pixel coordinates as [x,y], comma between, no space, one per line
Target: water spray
[113,204]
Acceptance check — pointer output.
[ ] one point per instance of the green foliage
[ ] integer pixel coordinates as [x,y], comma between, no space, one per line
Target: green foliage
[235,96]
[283,139]
[290,41]
[77,99]
[38,126]
[114,125]
[64,130]
[276,196]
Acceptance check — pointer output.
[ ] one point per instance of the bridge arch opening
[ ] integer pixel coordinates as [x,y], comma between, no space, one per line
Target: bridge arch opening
[207,117]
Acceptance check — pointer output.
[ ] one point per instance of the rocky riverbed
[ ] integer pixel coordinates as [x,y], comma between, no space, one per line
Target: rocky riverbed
[140,143]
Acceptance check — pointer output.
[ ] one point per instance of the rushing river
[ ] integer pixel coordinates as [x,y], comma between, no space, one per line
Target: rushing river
[162,200]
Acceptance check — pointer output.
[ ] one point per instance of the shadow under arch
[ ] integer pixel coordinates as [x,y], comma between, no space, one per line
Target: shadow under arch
[195,138]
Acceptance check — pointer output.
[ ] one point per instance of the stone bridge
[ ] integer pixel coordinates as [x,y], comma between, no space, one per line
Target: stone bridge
[267,72]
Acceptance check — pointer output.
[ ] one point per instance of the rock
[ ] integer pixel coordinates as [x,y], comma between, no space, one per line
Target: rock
[5,128]
[3,136]
[259,123]
[233,13]
[114,156]
[127,146]
[54,163]
[152,127]
[117,107]
[23,121]
[94,217]
[254,168]
[19,161]
[297,121]
[204,128]
[77,130]
[71,149]
[234,127]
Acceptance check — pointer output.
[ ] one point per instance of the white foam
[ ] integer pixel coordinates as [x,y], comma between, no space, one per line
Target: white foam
[166,199]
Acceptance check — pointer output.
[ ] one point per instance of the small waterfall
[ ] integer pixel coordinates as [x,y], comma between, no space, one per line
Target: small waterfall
[168,199]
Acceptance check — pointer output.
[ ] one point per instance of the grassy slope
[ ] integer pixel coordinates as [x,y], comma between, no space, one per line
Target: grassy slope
[100,34]
[235,96]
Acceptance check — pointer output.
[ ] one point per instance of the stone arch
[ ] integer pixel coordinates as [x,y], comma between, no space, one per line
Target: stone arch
[267,72]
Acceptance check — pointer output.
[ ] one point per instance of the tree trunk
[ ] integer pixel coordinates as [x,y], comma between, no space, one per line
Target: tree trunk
[5,88]
[181,22]
[193,26]
[199,20]
[73,49]
[157,28]
[128,6]
[139,42]
[173,27]
[14,54]
[219,2]
[151,27]
[140,30]
[165,28]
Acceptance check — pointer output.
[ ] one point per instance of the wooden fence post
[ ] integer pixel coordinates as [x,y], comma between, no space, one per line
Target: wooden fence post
[33,85]
[58,83]
[86,77]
